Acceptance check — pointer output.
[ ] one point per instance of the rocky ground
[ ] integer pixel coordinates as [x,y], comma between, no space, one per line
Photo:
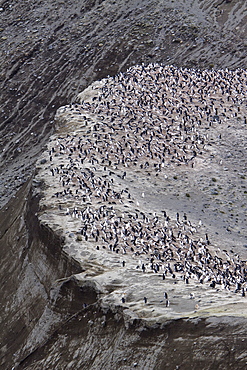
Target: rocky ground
[49,53]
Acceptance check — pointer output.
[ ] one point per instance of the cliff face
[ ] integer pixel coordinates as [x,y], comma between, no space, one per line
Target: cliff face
[50,321]
[49,52]
[32,264]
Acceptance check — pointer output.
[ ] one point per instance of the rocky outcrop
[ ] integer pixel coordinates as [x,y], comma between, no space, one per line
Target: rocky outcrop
[61,303]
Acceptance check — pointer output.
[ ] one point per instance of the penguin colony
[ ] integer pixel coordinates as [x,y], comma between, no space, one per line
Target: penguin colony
[143,121]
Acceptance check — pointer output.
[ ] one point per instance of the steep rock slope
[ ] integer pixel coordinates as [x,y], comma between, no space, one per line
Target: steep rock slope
[51,51]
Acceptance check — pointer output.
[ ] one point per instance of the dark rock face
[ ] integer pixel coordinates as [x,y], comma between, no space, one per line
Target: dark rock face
[49,52]
[31,263]
[180,344]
